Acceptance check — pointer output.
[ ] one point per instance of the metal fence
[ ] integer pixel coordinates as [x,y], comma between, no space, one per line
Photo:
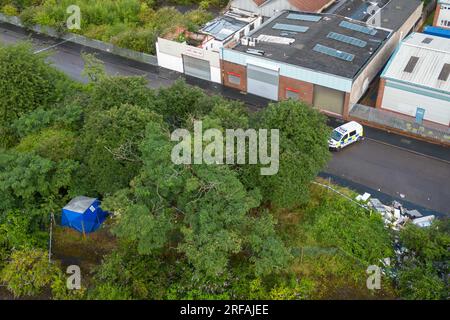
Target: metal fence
[84,41]
[388,119]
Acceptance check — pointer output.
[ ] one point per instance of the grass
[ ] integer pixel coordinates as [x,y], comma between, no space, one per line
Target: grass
[72,248]
[335,274]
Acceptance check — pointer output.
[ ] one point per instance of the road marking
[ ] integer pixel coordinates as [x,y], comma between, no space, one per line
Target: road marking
[409,150]
[53,46]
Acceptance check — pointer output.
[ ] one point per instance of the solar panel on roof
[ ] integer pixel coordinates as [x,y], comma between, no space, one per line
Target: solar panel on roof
[290,27]
[303,17]
[346,39]
[334,53]
[358,28]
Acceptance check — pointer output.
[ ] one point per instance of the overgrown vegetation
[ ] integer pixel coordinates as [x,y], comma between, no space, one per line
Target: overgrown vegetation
[180,231]
[132,24]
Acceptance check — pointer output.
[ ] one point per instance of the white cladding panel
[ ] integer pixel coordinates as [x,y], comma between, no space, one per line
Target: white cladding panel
[406,102]
[170,56]
[169,61]
[444,16]
[262,82]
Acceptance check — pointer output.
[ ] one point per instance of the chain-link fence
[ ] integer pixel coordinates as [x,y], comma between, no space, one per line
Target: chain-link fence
[388,119]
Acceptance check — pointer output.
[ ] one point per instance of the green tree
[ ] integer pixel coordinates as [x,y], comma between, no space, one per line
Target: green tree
[180,103]
[110,146]
[176,207]
[417,282]
[26,83]
[28,272]
[53,144]
[423,272]
[303,152]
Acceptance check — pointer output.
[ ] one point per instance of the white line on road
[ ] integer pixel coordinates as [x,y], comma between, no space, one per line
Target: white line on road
[53,46]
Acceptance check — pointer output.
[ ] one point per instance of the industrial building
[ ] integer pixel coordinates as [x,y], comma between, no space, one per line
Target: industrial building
[325,60]
[416,82]
[437,31]
[442,14]
[197,53]
[388,14]
[269,8]
[310,57]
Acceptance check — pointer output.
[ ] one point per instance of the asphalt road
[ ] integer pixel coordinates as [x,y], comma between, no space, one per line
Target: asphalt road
[386,165]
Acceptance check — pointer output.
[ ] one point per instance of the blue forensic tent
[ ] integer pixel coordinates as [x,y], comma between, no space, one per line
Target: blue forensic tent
[83,214]
[436,31]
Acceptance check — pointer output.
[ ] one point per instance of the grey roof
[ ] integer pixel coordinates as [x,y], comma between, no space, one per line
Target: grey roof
[393,13]
[302,51]
[79,204]
[432,56]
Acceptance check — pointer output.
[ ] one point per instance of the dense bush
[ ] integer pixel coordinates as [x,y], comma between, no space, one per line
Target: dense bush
[133,24]
[26,83]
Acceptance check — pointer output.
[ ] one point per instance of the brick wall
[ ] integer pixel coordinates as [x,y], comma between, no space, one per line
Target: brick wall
[345,113]
[436,15]
[380,93]
[305,90]
[229,68]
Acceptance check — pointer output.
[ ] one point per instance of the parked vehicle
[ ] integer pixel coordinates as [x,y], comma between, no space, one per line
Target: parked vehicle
[345,135]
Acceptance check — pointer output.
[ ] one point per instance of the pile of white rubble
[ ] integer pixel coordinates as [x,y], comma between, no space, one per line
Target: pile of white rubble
[395,216]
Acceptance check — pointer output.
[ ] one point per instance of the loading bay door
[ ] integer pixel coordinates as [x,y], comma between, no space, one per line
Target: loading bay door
[329,100]
[197,67]
[262,82]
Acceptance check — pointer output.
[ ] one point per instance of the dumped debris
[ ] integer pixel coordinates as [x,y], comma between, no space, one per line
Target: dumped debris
[413,214]
[363,197]
[424,221]
[395,216]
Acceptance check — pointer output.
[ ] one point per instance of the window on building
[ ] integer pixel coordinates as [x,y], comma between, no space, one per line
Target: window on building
[445,72]
[411,64]
[234,78]
[252,26]
[292,94]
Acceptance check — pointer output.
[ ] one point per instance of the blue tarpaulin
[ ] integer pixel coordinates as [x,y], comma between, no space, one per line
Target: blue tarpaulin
[83,214]
[436,31]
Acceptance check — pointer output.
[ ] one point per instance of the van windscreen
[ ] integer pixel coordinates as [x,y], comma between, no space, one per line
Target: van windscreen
[336,136]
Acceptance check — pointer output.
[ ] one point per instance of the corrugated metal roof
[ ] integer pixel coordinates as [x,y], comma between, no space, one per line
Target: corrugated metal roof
[432,57]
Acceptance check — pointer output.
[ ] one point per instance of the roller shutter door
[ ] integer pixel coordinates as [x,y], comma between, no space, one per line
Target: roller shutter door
[197,68]
[262,82]
[329,100]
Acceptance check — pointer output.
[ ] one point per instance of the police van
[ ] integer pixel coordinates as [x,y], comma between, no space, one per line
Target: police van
[345,135]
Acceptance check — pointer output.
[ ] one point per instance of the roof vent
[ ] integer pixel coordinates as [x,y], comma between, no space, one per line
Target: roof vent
[255,52]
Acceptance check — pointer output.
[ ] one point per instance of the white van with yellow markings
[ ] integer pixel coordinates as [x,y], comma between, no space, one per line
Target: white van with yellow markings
[345,135]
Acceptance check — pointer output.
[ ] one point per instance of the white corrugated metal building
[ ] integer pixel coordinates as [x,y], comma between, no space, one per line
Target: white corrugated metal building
[269,8]
[416,81]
